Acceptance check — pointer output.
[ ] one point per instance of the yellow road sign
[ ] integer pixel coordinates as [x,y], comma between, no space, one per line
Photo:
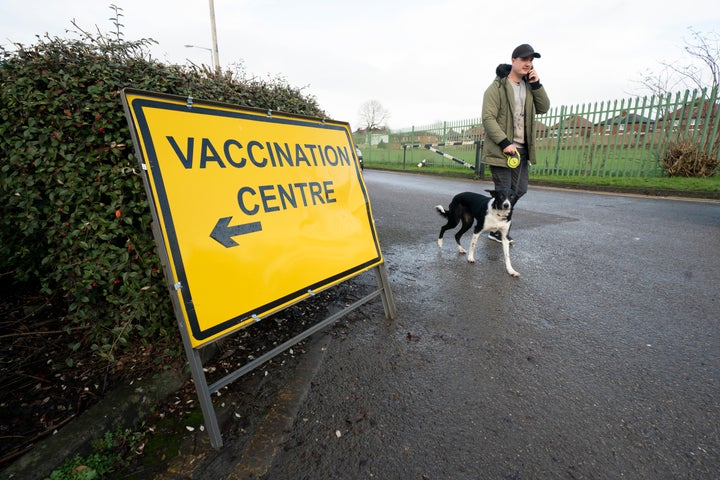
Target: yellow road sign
[258,210]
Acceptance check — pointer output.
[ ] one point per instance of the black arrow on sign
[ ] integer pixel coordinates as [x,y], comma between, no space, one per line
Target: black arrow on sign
[223,232]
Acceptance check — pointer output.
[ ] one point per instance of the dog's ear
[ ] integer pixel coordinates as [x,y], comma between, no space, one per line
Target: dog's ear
[491,192]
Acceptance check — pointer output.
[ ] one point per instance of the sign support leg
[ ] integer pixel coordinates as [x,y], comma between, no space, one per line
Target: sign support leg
[387,296]
[203,391]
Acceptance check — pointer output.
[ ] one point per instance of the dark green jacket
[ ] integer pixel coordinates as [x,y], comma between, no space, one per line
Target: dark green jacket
[497,116]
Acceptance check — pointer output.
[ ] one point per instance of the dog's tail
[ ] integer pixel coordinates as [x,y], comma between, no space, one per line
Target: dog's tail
[441,210]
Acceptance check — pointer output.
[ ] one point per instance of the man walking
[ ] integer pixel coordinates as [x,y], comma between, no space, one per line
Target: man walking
[509,107]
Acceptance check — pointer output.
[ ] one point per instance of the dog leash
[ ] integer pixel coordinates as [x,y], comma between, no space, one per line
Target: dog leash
[511,159]
[519,173]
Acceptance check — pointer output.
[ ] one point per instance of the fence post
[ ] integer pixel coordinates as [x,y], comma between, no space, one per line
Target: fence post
[412,141]
[559,138]
[712,141]
[479,167]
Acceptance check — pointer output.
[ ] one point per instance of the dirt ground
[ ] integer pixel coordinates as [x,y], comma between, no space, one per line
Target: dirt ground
[40,393]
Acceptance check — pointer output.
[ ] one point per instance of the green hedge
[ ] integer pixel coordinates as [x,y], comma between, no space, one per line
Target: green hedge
[75,223]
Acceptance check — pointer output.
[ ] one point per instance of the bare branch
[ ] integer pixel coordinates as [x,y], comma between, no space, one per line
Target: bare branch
[373,115]
[699,68]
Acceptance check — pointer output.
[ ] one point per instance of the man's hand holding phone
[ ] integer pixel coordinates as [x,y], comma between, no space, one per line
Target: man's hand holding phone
[532,76]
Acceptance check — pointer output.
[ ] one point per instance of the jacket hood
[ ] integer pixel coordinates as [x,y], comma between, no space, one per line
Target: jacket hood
[503,70]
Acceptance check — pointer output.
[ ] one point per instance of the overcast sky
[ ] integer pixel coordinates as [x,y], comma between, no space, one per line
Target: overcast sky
[423,60]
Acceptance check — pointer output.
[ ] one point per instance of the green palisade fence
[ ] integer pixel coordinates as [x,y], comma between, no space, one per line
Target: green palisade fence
[626,137]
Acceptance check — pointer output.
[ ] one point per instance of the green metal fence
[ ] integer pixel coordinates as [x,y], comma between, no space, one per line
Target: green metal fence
[628,137]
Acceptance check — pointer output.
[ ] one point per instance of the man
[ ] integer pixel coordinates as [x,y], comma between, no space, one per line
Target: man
[509,107]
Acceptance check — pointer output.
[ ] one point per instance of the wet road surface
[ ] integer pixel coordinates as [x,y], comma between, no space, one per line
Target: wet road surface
[601,361]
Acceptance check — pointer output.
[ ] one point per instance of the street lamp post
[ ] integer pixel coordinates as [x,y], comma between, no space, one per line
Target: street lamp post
[216,57]
[212,57]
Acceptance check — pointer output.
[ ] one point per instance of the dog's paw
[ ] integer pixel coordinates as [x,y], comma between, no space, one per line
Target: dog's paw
[440,242]
[471,260]
[514,274]
[461,251]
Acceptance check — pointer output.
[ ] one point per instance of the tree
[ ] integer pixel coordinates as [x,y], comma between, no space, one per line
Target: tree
[373,115]
[701,70]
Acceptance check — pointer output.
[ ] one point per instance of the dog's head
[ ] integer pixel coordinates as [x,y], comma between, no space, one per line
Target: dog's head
[504,199]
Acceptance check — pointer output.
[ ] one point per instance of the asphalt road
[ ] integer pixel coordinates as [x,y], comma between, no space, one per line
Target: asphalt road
[602,361]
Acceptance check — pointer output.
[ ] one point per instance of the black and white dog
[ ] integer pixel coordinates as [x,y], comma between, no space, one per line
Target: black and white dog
[492,214]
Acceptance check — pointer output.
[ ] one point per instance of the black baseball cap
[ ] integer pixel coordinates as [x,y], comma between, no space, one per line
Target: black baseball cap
[525,50]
